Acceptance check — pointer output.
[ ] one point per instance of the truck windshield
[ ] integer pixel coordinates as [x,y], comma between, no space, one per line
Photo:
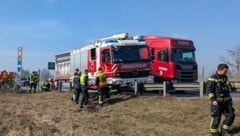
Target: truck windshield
[185,55]
[133,53]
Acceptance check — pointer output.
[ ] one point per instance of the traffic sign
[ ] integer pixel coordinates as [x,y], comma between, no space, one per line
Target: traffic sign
[51,65]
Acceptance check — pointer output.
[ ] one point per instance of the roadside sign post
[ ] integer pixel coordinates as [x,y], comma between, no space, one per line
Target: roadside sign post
[19,62]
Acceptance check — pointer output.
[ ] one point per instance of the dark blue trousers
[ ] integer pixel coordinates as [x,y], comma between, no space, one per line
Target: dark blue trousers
[85,95]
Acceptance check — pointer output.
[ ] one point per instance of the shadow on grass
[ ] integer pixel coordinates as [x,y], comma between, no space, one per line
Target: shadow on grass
[123,97]
[94,106]
[117,100]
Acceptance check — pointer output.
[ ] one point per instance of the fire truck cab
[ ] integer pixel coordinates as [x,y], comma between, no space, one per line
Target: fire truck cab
[172,59]
[123,58]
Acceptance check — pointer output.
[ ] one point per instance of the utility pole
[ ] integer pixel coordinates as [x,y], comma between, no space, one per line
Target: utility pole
[237,66]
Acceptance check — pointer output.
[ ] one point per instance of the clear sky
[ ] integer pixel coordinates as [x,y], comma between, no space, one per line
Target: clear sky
[48,27]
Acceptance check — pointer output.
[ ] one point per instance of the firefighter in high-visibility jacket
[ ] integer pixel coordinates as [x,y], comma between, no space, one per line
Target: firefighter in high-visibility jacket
[218,88]
[46,86]
[33,80]
[84,88]
[101,83]
[77,87]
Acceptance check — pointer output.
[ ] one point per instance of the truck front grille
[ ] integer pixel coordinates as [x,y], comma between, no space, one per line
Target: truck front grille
[134,74]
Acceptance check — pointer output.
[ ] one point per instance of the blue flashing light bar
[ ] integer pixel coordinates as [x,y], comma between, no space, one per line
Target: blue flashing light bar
[141,40]
[111,41]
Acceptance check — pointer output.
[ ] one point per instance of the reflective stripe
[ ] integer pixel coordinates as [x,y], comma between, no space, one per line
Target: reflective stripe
[230,84]
[226,127]
[214,80]
[74,97]
[223,99]
[213,130]
[211,95]
[211,79]
[100,101]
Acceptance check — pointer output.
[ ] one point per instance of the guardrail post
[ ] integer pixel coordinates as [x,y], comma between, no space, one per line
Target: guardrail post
[201,87]
[135,87]
[70,86]
[164,88]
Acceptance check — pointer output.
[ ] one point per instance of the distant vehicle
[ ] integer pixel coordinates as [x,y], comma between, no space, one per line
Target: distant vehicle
[24,81]
[173,59]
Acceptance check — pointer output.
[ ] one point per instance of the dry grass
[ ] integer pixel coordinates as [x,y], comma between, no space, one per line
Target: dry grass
[54,114]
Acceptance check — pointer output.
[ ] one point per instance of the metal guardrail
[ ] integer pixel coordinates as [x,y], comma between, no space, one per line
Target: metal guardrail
[177,87]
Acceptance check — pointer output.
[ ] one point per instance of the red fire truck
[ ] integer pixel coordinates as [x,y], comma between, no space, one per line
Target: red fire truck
[125,59]
[172,59]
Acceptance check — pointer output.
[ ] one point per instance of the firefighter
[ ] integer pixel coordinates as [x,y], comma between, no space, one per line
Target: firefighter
[76,86]
[77,71]
[1,80]
[11,78]
[84,86]
[101,83]
[59,85]
[5,75]
[5,79]
[33,80]
[51,83]
[218,88]
[46,86]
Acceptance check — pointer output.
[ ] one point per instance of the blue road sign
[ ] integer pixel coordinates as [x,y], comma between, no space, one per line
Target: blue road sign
[19,65]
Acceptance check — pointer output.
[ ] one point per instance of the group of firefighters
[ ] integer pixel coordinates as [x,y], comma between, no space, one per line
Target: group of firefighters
[7,79]
[80,85]
[33,82]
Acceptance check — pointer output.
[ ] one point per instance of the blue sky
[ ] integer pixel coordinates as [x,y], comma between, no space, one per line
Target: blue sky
[48,27]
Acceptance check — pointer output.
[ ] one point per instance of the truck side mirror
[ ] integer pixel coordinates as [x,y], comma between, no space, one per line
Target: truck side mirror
[152,57]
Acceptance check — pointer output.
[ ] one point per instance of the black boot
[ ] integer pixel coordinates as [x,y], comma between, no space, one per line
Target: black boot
[100,105]
[109,102]
[225,132]
[216,134]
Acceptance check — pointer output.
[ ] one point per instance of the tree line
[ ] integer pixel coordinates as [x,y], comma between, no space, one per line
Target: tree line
[233,61]
[45,74]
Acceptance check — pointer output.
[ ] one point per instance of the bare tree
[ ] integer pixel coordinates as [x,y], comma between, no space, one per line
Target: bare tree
[233,60]
[25,73]
[45,75]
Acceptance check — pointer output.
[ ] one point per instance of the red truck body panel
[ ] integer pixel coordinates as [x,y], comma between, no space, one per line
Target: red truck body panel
[179,63]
